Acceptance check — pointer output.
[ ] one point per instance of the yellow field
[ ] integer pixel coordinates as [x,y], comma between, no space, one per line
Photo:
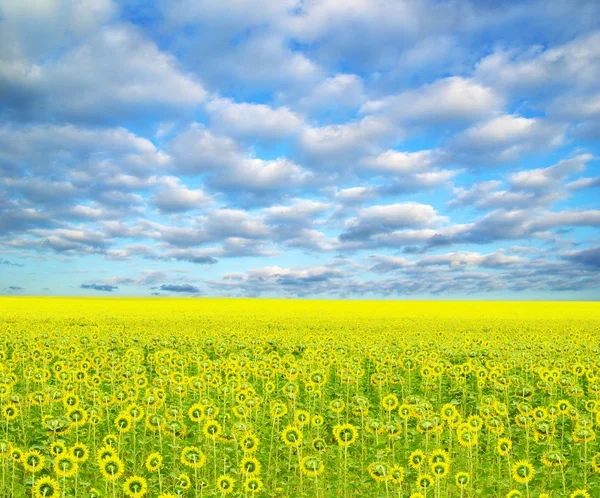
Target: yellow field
[215,397]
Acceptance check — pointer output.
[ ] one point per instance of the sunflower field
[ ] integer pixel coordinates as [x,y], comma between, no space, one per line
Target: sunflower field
[278,398]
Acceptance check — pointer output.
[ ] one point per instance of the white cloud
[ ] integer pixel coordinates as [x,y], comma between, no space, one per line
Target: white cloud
[553,176]
[393,161]
[173,197]
[341,91]
[505,138]
[299,211]
[450,99]
[334,143]
[198,150]
[253,121]
[574,64]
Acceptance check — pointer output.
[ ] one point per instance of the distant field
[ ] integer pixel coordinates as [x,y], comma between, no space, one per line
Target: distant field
[257,397]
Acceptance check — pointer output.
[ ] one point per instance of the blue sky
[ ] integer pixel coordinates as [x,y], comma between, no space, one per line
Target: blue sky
[328,148]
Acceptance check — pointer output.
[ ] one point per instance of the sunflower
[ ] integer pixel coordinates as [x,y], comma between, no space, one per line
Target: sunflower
[317,421]
[319,445]
[449,412]
[302,418]
[522,471]
[123,422]
[337,405]
[466,437]
[167,495]
[249,443]
[250,466]
[33,461]
[65,465]
[105,452]
[462,479]
[112,468]
[16,454]
[212,429]
[77,415]
[183,481]
[397,474]
[57,448]
[195,413]
[10,412]
[110,440]
[504,446]
[439,469]
[311,466]
[389,402]
[135,487]
[291,436]
[154,462]
[278,409]
[80,452]
[416,459]
[46,487]
[514,493]
[225,484]
[345,434]
[583,434]
[193,457]
[253,484]
[154,421]
[439,455]
[596,462]
[425,481]
[580,493]
[553,458]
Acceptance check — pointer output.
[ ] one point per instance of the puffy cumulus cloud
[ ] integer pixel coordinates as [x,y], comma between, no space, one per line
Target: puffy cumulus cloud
[180,288]
[398,162]
[232,169]
[589,257]
[173,197]
[406,33]
[333,144]
[260,175]
[386,218]
[573,63]
[198,150]
[355,195]
[300,211]
[34,147]
[540,187]
[115,72]
[37,28]
[488,195]
[453,260]
[551,177]
[453,99]
[341,91]
[411,171]
[99,287]
[275,279]
[584,183]
[504,139]
[253,121]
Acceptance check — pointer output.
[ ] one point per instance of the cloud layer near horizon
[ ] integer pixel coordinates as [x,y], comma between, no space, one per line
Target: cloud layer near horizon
[312,149]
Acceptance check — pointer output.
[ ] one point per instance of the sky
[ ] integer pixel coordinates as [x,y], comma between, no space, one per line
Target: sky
[315,149]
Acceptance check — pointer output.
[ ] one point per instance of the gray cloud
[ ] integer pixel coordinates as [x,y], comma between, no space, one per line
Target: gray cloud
[588,257]
[9,263]
[99,287]
[183,288]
